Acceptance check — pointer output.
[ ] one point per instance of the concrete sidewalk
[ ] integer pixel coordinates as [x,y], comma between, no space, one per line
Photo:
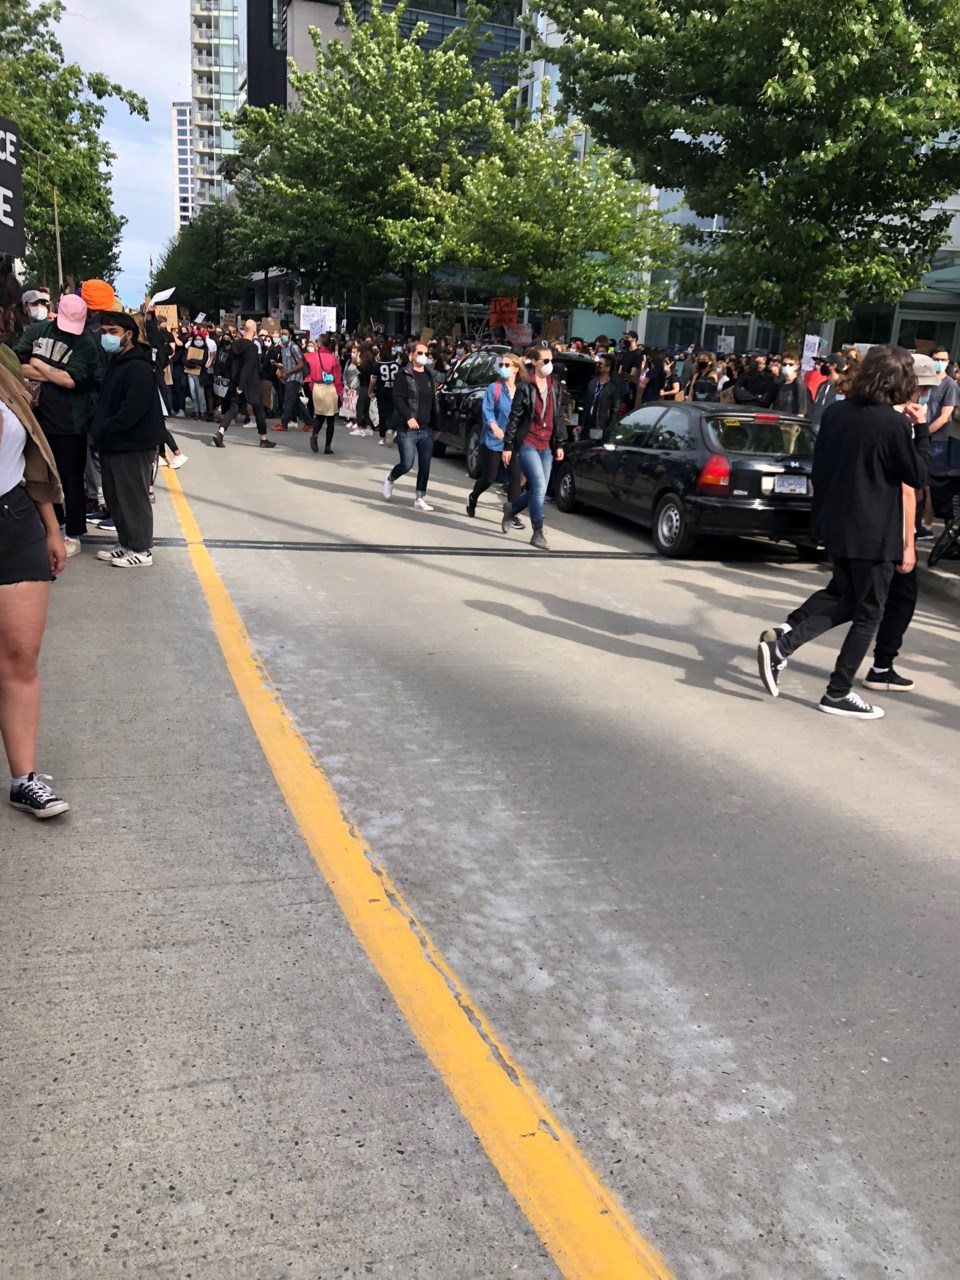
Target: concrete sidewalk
[201,1074]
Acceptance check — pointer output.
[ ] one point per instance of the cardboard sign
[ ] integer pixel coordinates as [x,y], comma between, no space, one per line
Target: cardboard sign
[228,319]
[457,330]
[503,311]
[426,335]
[555,329]
[270,325]
[13,234]
[169,313]
[318,320]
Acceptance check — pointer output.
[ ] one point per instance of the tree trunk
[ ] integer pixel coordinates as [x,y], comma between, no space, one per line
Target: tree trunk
[407,301]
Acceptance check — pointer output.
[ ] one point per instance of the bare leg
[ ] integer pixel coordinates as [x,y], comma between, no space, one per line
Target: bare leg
[23,617]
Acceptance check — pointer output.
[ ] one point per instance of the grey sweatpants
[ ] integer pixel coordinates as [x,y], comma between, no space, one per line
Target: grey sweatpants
[126,485]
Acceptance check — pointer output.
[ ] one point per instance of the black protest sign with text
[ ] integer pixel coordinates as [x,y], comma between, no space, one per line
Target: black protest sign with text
[13,239]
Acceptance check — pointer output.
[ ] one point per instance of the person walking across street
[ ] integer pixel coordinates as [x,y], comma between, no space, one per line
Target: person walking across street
[495,414]
[31,554]
[245,387]
[127,430]
[60,357]
[290,369]
[863,457]
[534,431]
[416,417]
[327,392]
[381,386]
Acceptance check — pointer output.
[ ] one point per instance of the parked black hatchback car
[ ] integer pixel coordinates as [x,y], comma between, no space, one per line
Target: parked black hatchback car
[689,469]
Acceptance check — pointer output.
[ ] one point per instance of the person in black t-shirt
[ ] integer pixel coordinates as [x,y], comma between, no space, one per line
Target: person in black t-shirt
[630,367]
[381,385]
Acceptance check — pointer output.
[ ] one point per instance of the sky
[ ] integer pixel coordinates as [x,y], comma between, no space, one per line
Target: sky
[145,48]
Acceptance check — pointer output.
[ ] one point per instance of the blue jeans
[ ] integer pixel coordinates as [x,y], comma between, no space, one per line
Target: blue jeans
[414,445]
[196,393]
[536,465]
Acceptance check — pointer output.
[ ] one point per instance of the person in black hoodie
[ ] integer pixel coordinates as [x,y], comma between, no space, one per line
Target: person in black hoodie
[866,451]
[127,429]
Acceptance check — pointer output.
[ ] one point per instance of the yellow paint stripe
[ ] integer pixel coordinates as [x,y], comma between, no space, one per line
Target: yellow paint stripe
[579,1220]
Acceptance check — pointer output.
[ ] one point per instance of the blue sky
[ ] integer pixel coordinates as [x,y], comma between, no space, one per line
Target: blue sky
[146,48]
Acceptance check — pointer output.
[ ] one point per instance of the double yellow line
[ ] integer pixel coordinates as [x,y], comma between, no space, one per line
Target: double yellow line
[578,1218]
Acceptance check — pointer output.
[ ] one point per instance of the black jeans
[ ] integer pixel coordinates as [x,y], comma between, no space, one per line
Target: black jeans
[414,446]
[293,406]
[178,389]
[363,408]
[126,491]
[70,455]
[232,406]
[897,614]
[490,462]
[862,589]
[331,422]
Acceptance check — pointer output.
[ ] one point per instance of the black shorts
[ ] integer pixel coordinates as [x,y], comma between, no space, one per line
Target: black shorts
[23,540]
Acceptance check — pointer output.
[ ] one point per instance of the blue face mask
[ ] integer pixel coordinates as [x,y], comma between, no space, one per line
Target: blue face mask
[505,371]
[284,339]
[940,366]
[924,399]
[110,343]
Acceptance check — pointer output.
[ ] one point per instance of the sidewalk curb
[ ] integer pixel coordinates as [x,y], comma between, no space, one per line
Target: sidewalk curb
[935,582]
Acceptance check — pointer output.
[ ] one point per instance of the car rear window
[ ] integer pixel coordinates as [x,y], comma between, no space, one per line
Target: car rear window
[764,436]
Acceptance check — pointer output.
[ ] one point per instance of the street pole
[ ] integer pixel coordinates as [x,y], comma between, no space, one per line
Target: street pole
[56,232]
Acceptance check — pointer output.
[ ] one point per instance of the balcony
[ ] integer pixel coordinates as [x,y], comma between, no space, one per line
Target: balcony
[203,88]
[205,117]
[202,34]
[204,173]
[204,61]
[206,141]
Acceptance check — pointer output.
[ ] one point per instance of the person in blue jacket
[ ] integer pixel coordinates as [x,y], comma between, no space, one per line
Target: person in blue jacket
[495,413]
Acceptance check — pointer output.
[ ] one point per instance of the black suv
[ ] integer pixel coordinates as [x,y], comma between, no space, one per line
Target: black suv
[460,399]
[689,469]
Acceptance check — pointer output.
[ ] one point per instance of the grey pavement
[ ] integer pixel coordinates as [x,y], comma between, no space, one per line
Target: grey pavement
[718,932]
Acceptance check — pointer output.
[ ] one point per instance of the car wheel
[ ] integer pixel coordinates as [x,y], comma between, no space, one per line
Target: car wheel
[565,490]
[473,453]
[439,449]
[671,532]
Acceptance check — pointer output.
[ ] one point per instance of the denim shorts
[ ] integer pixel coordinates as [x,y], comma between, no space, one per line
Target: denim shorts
[23,540]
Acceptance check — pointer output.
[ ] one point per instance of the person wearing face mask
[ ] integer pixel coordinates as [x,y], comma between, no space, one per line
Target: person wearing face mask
[534,431]
[244,387]
[351,385]
[602,403]
[195,359]
[832,369]
[289,369]
[416,416]
[36,301]
[944,398]
[381,386]
[127,430]
[327,392]
[791,396]
[60,356]
[495,414]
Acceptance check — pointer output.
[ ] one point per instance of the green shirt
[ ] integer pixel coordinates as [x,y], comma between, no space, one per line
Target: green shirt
[62,411]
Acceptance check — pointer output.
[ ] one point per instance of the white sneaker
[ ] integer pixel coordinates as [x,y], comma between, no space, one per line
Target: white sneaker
[163,461]
[383,440]
[73,546]
[133,560]
[422,504]
[177,461]
[388,488]
[112,553]
[356,432]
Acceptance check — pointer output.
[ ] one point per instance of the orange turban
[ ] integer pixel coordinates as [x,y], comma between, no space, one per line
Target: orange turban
[98,295]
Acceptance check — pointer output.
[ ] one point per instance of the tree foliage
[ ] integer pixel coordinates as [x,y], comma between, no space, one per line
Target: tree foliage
[60,110]
[205,261]
[821,140]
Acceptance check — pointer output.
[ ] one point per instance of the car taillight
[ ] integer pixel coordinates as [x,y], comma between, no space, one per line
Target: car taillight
[715,476]
[766,417]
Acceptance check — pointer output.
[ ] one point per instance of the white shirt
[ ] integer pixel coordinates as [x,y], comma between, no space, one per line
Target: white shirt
[12,444]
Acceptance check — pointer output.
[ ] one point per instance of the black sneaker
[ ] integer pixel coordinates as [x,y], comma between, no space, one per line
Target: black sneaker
[267,444]
[889,681]
[926,533]
[517,523]
[774,634]
[851,705]
[770,664]
[539,541]
[37,797]
[328,450]
[507,517]
[218,439]
[314,447]
[471,510]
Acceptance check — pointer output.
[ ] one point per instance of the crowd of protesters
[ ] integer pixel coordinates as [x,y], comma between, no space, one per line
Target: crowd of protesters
[88,391]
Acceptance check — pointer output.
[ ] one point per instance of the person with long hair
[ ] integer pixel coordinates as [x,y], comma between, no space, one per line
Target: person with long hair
[495,414]
[32,552]
[534,430]
[866,451]
[327,393]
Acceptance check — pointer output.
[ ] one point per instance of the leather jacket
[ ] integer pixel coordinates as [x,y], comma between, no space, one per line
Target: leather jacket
[521,416]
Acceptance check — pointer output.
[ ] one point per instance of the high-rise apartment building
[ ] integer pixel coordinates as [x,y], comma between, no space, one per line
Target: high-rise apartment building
[182,128]
[214,58]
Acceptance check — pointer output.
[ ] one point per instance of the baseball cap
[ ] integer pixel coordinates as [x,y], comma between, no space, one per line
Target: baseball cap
[35,293]
[838,362]
[71,313]
[926,373]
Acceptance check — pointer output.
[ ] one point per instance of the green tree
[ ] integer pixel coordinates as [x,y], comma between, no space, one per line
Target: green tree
[206,262]
[821,141]
[60,111]
[534,217]
[357,179]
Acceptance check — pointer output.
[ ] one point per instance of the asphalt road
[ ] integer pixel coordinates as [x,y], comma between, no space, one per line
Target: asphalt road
[718,933]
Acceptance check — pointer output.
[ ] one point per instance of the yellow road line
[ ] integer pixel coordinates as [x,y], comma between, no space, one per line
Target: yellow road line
[579,1220]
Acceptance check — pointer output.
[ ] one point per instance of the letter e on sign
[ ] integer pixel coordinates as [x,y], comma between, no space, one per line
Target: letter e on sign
[13,240]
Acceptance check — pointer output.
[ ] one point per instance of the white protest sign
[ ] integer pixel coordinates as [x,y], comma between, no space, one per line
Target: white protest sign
[811,349]
[726,344]
[318,320]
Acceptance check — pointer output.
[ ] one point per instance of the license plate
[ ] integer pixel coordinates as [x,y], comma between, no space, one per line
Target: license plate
[790,484]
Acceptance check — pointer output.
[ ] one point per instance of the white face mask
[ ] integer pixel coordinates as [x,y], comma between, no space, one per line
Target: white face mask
[423,360]
[38,312]
[546,368]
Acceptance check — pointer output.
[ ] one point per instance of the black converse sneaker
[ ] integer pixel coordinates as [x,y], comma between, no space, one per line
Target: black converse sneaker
[36,796]
[851,705]
[774,633]
[889,681]
[770,664]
